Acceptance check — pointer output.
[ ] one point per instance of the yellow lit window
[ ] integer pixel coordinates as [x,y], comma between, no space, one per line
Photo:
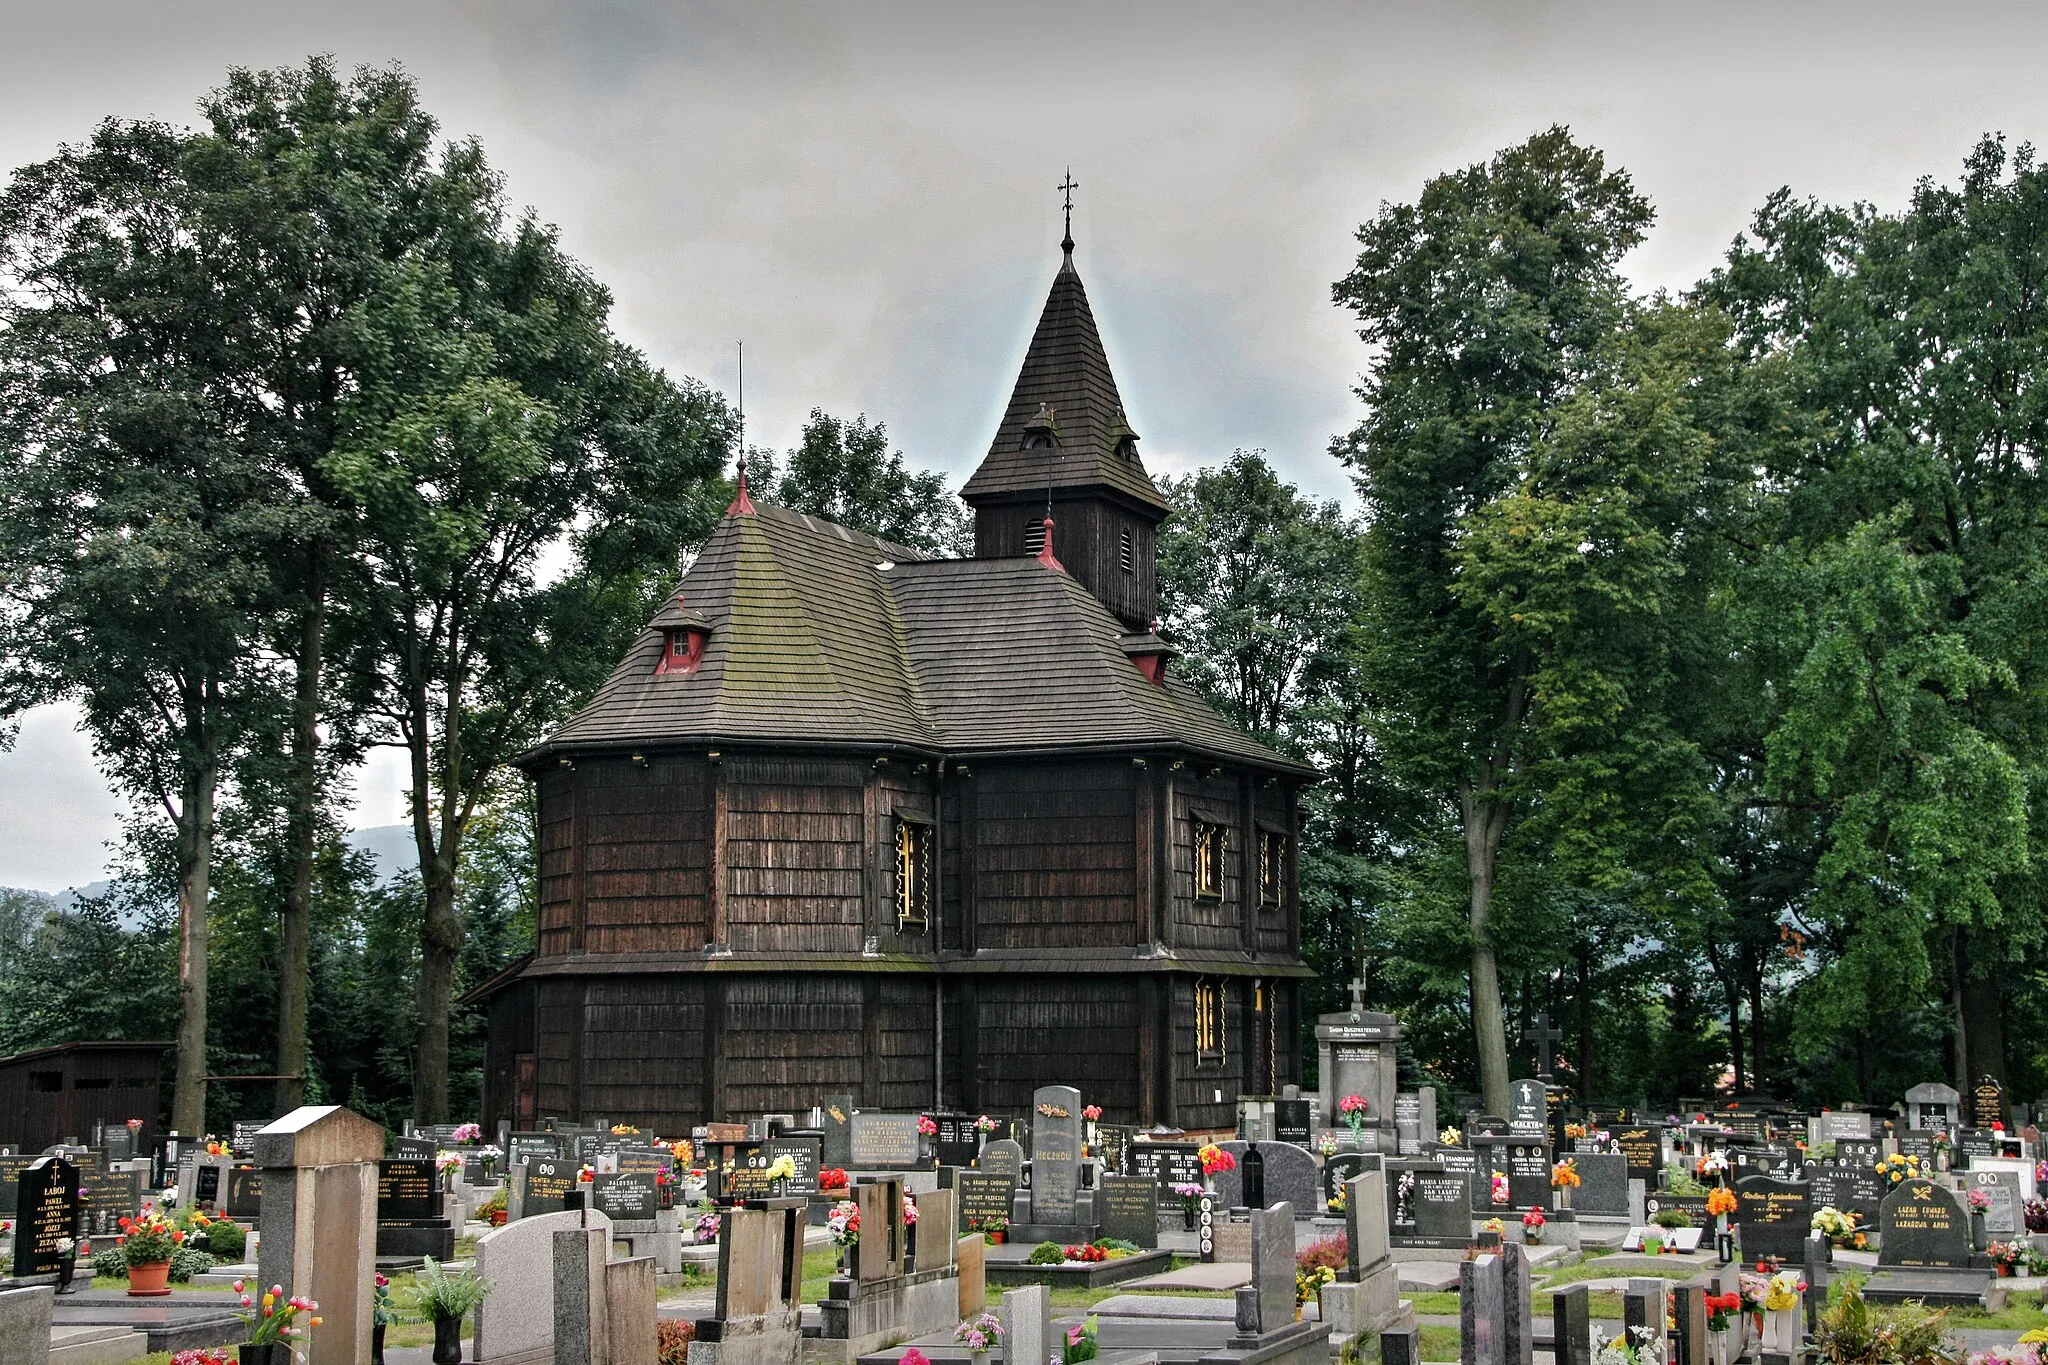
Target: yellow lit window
[913,875]
[1209,1021]
[1208,859]
[1272,867]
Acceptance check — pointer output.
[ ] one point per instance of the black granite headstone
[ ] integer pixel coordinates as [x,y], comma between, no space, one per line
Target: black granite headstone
[625,1198]
[984,1200]
[1987,1102]
[407,1189]
[1772,1217]
[1293,1121]
[1440,1205]
[1850,1189]
[1920,1224]
[112,1196]
[412,1147]
[244,1201]
[46,1199]
[1127,1207]
[835,1119]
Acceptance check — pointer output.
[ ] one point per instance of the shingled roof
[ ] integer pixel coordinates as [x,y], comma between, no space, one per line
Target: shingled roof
[1066,370]
[820,634]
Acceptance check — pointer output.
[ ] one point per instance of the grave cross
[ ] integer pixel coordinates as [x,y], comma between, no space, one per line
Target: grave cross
[1357,988]
[1543,1035]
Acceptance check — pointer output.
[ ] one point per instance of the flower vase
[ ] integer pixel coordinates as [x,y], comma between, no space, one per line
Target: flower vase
[269,1353]
[377,1344]
[447,1340]
[1564,1196]
[1532,1236]
[66,1268]
[1187,1217]
[1782,1334]
[1718,1347]
[1977,1238]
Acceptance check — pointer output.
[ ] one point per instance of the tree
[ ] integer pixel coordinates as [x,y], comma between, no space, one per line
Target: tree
[845,472]
[1527,462]
[134,509]
[506,424]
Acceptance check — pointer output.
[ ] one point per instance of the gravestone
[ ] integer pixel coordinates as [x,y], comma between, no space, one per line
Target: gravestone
[1836,1125]
[1603,1185]
[1357,1049]
[835,1121]
[956,1142]
[1055,1153]
[1922,1225]
[1933,1105]
[1441,1203]
[1861,1153]
[115,1195]
[46,1215]
[1987,1102]
[1571,1326]
[1027,1324]
[879,1255]
[1113,1146]
[1251,1177]
[543,1186]
[885,1142]
[1267,1305]
[1689,1325]
[1365,1223]
[1518,1343]
[626,1198]
[1005,1157]
[2004,1219]
[414,1148]
[1482,1311]
[1401,1346]
[407,1189]
[520,1146]
[518,1322]
[1643,1145]
[1850,1189]
[1643,1309]
[1525,1162]
[1169,1163]
[1528,1107]
[985,1200]
[1128,1207]
[970,1254]
[1972,1143]
[1337,1169]
[1772,1216]
[1291,1176]
[1414,1121]
[319,1232]
[1294,1121]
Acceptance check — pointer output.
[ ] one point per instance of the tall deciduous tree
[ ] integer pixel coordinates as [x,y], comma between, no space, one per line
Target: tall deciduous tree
[1524,508]
[845,472]
[134,504]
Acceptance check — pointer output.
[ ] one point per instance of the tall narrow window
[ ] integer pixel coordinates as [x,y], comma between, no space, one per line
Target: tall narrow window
[913,875]
[1034,536]
[1209,1021]
[1272,867]
[1208,859]
[1124,558]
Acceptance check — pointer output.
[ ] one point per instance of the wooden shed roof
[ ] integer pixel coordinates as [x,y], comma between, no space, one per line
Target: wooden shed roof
[824,635]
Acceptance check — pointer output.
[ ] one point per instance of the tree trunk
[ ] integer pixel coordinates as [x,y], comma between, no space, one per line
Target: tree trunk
[440,944]
[295,930]
[1960,1055]
[1485,820]
[195,859]
[1732,993]
[1585,1066]
[1756,964]
[1983,1016]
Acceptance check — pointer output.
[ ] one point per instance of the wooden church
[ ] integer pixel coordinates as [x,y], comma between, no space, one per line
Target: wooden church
[931,833]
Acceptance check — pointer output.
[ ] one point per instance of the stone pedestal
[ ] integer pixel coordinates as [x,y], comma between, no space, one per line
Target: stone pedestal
[25,1324]
[320,1222]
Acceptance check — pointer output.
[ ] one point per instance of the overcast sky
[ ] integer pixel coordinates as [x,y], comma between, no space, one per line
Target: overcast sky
[864,192]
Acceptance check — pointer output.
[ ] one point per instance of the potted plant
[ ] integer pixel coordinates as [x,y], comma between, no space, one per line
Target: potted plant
[1190,1196]
[994,1231]
[2005,1257]
[1532,1226]
[147,1244]
[979,1335]
[275,1322]
[1653,1241]
[445,1299]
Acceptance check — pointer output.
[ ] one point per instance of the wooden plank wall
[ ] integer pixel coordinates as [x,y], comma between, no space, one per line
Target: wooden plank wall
[1076,1030]
[787,1041]
[510,1032]
[900,1067]
[1275,811]
[1085,539]
[1055,857]
[795,837]
[646,846]
[643,1050]
[558,1029]
[555,911]
[1195,1085]
[1207,922]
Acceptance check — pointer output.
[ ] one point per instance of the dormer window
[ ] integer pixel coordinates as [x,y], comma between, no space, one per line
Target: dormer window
[1127,448]
[682,649]
[1040,433]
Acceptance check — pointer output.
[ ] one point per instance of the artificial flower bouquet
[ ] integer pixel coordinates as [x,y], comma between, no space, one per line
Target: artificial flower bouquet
[277,1318]
[1214,1159]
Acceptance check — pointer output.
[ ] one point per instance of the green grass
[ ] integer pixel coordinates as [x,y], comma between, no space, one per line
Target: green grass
[1439,1343]
[1602,1303]
[1572,1274]
[819,1267]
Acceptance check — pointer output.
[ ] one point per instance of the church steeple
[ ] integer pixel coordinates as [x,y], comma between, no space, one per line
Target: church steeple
[1066,448]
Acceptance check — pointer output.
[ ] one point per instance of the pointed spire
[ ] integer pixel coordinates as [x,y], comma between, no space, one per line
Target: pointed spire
[742,506]
[1045,554]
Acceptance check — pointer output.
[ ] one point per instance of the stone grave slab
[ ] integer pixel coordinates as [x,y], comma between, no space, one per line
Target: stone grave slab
[985,1200]
[1055,1153]
[1482,1311]
[1291,1177]
[1772,1217]
[1922,1226]
[835,1120]
[2005,1218]
[1128,1207]
[1642,1144]
[542,1186]
[1603,1188]
[1836,1125]
[885,1142]
[47,1206]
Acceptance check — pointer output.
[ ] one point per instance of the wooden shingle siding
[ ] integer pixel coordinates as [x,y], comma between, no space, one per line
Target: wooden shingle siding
[1030,1027]
[1210,922]
[787,1041]
[556,907]
[795,854]
[1055,859]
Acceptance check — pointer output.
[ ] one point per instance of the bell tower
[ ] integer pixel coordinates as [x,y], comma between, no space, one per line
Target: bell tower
[1065,449]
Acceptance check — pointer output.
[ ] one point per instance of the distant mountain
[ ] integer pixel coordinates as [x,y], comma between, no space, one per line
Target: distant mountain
[390,847]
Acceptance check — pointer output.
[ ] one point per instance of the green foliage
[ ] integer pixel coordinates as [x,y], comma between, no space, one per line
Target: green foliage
[1851,1332]
[1672,1218]
[226,1239]
[437,1292]
[1047,1253]
[845,472]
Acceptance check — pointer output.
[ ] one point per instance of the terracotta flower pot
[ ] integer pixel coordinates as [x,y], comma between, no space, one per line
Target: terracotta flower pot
[151,1280]
[998,1238]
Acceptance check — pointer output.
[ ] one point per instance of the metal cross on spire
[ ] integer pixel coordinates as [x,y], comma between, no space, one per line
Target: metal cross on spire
[1066,188]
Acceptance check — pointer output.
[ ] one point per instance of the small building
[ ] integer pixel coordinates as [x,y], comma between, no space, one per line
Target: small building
[58,1094]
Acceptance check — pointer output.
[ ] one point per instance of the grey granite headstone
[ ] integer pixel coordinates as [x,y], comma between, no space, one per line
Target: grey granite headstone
[1603,1188]
[1482,1312]
[1004,1157]
[25,1324]
[1933,1106]
[2004,1219]
[1027,1324]
[1290,1176]
[1689,1316]
[1365,1222]
[1518,1345]
[1273,1265]
[1837,1124]
[835,1119]
[1571,1320]
[1055,1153]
